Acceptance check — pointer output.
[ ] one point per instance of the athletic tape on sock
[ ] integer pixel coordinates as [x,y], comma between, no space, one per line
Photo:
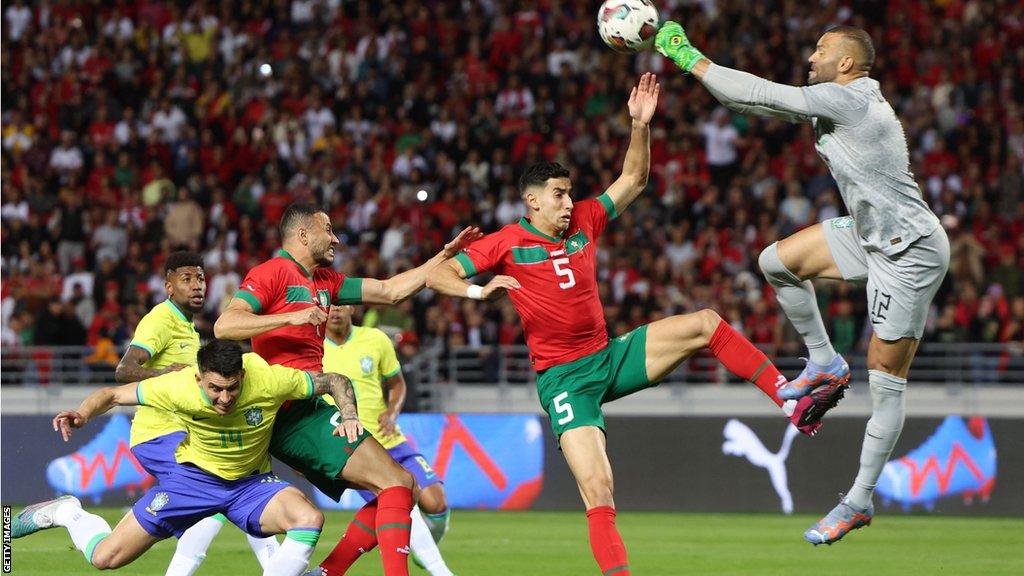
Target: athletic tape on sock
[307,536]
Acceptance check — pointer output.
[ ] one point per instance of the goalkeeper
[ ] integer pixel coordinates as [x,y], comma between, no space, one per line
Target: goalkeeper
[893,240]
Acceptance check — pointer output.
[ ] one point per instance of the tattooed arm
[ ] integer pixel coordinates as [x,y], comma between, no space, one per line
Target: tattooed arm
[340,388]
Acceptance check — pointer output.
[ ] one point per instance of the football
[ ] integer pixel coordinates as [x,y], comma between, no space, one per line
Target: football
[627,26]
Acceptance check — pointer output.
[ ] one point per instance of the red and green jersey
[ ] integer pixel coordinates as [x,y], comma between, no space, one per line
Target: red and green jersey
[558,302]
[282,285]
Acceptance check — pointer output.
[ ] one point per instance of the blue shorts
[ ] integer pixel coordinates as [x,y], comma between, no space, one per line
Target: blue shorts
[415,463]
[187,494]
[157,455]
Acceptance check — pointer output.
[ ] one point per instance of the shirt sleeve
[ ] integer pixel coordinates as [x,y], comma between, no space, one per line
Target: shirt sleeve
[346,290]
[749,94]
[167,391]
[259,289]
[389,365]
[595,213]
[483,255]
[150,335]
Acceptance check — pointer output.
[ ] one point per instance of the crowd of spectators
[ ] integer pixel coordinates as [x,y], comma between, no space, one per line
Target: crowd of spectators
[131,129]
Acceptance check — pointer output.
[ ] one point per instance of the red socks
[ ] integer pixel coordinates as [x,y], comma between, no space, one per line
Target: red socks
[741,358]
[360,537]
[605,542]
[393,526]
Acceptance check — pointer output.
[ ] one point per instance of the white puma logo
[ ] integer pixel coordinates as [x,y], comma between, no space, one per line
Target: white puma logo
[781,381]
[740,440]
[402,550]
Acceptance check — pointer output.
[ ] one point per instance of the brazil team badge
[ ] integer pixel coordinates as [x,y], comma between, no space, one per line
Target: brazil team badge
[160,500]
[254,416]
[366,363]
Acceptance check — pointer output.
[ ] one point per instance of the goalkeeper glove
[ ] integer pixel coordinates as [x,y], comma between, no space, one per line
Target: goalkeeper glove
[673,44]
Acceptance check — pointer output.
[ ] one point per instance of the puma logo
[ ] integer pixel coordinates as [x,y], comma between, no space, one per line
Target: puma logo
[740,440]
[402,550]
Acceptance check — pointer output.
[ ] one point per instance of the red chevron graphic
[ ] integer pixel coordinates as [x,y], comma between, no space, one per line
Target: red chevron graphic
[931,466]
[100,461]
[454,432]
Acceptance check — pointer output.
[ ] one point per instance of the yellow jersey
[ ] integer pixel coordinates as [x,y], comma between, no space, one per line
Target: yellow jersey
[367,358]
[170,338]
[233,445]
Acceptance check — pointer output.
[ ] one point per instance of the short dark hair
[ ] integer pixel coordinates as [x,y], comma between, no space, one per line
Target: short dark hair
[221,356]
[861,39]
[538,174]
[297,214]
[181,259]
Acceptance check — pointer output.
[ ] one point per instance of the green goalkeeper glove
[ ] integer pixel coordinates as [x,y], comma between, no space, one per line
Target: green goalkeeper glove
[673,44]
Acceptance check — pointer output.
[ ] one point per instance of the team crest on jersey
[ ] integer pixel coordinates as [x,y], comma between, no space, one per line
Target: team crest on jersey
[159,501]
[254,416]
[325,301]
[366,363]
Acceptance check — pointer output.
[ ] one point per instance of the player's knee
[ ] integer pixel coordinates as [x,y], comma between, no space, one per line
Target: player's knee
[709,321]
[433,500]
[774,270]
[308,517]
[106,559]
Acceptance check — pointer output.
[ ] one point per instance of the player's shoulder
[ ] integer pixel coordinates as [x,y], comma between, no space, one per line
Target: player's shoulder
[374,334]
[327,273]
[274,265]
[253,362]
[157,315]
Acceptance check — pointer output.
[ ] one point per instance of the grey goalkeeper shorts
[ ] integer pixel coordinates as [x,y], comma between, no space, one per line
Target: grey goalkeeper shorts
[900,287]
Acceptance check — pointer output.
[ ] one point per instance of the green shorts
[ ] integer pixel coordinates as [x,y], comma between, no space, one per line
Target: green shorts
[304,439]
[572,393]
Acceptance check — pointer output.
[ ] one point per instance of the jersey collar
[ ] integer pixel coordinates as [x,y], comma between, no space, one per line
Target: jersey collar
[178,312]
[284,254]
[351,333]
[533,230]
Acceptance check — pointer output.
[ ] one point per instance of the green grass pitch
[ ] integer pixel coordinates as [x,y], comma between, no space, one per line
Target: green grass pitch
[659,544]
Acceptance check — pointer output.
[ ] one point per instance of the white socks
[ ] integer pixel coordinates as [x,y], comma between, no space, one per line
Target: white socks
[193,544]
[293,556]
[439,523]
[421,541]
[883,430]
[86,529]
[797,300]
[263,548]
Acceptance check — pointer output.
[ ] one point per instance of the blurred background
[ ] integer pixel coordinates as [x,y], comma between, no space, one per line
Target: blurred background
[132,129]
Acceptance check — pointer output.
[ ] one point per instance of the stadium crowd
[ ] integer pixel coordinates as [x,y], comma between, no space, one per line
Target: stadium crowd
[131,129]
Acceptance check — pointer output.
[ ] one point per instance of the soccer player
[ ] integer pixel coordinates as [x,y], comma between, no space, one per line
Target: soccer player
[228,405]
[368,356]
[893,240]
[282,305]
[166,341]
[547,264]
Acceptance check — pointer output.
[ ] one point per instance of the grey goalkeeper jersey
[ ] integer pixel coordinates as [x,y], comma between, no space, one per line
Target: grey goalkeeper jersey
[861,141]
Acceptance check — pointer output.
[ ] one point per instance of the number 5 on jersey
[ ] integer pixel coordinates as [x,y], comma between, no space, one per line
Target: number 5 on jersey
[558,263]
[565,408]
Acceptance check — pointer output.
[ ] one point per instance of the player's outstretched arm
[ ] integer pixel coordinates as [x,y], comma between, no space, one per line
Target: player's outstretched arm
[449,279]
[399,287]
[240,322]
[636,167]
[739,91]
[97,403]
[340,388]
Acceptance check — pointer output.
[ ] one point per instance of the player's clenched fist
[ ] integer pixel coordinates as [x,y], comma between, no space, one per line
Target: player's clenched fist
[498,285]
[313,315]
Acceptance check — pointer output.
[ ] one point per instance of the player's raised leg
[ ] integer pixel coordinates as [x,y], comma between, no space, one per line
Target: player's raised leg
[672,340]
[585,452]
[290,513]
[103,548]
[384,520]
[788,265]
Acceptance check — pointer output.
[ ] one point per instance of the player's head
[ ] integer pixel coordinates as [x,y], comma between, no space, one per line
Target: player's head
[545,188]
[339,319]
[220,373]
[185,281]
[308,228]
[843,52]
